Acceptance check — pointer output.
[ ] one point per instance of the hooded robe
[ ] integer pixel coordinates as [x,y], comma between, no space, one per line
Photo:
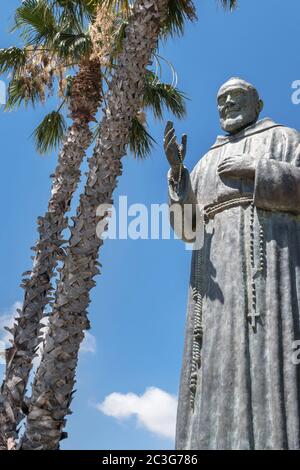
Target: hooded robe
[240,379]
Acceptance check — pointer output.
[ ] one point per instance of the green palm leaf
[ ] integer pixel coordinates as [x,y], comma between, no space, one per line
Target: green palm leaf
[36,20]
[74,12]
[231,4]
[159,96]
[12,58]
[179,12]
[141,142]
[49,134]
[24,89]
[72,47]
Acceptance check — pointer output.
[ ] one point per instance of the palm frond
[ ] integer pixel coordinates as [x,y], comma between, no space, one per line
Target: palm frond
[73,13]
[36,20]
[49,134]
[231,4]
[72,47]
[180,11]
[123,7]
[24,90]
[141,142]
[159,96]
[12,58]
[89,7]
[118,6]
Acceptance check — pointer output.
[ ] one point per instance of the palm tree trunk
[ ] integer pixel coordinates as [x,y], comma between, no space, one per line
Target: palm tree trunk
[84,102]
[55,378]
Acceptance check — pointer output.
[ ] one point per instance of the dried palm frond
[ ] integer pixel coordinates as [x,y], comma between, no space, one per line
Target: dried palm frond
[26,90]
[33,74]
[101,34]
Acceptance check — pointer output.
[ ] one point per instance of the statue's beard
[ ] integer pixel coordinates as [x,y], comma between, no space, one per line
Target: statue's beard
[237,123]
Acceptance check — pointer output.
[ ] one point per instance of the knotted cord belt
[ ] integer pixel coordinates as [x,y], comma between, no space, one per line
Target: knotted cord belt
[212,209]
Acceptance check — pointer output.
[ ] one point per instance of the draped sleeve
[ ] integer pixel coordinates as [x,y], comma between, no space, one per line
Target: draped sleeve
[277,183]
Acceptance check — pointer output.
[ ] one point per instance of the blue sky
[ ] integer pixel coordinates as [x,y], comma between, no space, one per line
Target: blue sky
[138,307]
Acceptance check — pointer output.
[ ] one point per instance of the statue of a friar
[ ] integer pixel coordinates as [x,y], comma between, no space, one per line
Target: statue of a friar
[240,382]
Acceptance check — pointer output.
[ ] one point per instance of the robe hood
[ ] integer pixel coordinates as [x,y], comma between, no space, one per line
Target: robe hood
[259,126]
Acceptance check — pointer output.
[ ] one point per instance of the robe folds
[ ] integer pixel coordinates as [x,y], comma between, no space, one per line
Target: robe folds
[240,379]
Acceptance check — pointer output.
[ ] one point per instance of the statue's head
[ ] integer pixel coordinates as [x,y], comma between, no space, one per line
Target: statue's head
[239,105]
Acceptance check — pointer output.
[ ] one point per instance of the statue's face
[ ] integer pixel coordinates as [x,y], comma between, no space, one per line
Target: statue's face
[238,108]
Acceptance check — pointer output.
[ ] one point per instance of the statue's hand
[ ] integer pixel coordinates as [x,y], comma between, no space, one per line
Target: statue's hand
[175,152]
[238,166]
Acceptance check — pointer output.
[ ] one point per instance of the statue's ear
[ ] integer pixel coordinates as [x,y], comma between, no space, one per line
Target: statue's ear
[260,105]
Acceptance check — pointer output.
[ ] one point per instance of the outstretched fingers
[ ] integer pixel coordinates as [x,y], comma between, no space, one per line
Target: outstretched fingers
[169,132]
[169,127]
[183,145]
[170,137]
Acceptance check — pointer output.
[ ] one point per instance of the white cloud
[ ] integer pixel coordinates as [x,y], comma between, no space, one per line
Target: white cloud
[155,410]
[7,319]
[89,344]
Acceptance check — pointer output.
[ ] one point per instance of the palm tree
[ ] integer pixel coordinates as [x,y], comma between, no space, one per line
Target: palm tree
[55,40]
[33,69]
[52,389]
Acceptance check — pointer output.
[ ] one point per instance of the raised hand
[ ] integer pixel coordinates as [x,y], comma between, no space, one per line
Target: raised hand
[175,152]
[238,166]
